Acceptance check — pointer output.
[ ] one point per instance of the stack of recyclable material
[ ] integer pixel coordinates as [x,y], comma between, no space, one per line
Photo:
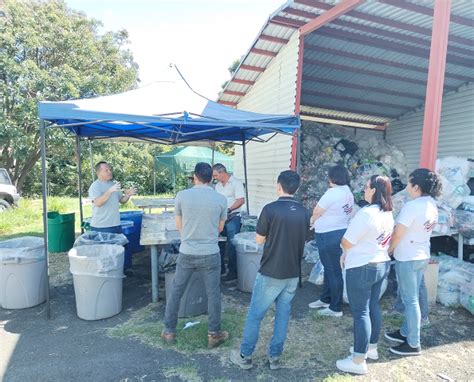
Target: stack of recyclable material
[454,174]
[455,282]
[363,155]
[311,255]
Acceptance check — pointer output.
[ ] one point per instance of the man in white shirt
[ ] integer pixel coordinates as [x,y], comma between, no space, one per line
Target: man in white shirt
[233,190]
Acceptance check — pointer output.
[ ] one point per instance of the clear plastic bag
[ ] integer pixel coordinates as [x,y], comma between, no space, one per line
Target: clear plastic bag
[464,223]
[94,237]
[317,274]
[311,252]
[26,247]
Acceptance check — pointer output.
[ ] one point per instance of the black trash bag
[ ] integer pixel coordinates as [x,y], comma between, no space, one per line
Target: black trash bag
[94,237]
[397,186]
[169,257]
[346,147]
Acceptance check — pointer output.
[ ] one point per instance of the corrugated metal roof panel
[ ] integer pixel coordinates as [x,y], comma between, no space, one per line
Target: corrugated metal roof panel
[316,111]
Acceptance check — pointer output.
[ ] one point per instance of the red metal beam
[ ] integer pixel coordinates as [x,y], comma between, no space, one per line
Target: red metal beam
[383,21]
[273,39]
[252,68]
[299,79]
[325,18]
[228,103]
[263,52]
[234,93]
[427,11]
[434,89]
[286,22]
[362,87]
[381,61]
[242,82]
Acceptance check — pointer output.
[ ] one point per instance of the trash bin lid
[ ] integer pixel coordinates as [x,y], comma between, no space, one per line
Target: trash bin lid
[246,242]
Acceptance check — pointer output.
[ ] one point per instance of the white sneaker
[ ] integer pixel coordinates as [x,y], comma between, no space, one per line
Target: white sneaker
[328,312]
[317,304]
[371,353]
[349,366]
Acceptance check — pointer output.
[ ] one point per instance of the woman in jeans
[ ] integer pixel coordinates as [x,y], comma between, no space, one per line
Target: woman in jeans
[367,264]
[411,249]
[331,218]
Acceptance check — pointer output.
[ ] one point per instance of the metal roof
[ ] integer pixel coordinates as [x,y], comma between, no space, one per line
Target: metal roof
[370,64]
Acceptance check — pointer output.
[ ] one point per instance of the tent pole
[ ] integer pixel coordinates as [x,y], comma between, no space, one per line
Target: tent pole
[213,154]
[79,179]
[42,128]
[154,175]
[244,151]
[92,161]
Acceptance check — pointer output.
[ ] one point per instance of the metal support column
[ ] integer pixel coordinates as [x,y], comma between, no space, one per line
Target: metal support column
[298,152]
[42,128]
[154,273]
[92,162]
[434,87]
[79,179]
[244,151]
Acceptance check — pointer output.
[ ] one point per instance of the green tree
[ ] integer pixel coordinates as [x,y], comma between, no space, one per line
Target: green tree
[50,52]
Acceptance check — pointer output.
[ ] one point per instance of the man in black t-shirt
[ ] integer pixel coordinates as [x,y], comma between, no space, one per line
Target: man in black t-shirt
[283,226]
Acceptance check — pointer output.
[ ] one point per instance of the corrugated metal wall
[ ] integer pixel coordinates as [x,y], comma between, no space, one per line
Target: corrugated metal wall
[273,93]
[456,134]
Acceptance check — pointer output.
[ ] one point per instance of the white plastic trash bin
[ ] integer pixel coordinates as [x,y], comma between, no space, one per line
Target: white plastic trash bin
[22,272]
[431,281]
[98,277]
[249,255]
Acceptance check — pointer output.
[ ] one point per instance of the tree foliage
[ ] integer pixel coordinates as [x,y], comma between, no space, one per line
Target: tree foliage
[50,52]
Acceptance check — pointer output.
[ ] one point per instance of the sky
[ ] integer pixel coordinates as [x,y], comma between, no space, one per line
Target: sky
[201,37]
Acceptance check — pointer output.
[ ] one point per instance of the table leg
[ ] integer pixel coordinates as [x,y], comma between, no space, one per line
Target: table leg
[460,247]
[154,273]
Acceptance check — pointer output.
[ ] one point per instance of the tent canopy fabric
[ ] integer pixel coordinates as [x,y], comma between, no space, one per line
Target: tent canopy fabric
[169,112]
[183,159]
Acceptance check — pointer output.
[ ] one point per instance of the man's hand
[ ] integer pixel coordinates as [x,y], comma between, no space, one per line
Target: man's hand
[114,188]
[130,192]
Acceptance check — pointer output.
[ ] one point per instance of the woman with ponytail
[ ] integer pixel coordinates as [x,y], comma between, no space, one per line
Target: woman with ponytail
[367,264]
[411,248]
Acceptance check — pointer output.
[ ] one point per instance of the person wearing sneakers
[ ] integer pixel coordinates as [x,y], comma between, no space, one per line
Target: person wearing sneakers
[367,264]
[284,227]
[331,218]
[411,249]
[200,215]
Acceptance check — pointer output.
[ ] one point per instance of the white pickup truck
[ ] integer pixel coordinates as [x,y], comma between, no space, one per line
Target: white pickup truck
[8,193]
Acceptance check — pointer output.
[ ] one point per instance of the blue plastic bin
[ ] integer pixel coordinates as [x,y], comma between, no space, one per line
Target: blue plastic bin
[128,229]
[134,238]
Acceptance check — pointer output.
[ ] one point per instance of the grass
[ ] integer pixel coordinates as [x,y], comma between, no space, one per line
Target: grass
[26,219]
[146,325]
[187,372]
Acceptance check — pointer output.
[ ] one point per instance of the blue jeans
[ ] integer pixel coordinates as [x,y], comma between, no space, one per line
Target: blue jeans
[363,291]
[265,291]
[329,246]
[231,228]
[409,275]
[114,229]
[422,298]
[186,265]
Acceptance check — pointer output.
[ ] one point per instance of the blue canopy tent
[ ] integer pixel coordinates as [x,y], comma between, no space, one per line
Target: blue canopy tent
[165,112]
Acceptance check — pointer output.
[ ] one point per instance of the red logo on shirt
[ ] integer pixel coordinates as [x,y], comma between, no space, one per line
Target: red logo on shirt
[384,239]
[347,209]
[429,225]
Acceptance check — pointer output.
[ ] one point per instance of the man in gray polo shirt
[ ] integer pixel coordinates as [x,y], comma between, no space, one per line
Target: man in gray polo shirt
[106,196]
[200,215]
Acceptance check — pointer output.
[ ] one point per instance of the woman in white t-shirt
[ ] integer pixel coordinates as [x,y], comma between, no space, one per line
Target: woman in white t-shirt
[331,218]
[367,264]
[411,249]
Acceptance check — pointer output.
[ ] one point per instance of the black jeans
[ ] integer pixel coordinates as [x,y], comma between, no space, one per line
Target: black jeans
[231,228]
[209,267]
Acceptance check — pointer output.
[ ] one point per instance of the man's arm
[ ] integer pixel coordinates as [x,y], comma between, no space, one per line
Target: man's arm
[101,200]
[179,223]
[237,204]
[221,225]
[260,239]
[317,213]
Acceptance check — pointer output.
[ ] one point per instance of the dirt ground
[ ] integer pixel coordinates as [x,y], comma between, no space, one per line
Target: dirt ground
[127,347]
